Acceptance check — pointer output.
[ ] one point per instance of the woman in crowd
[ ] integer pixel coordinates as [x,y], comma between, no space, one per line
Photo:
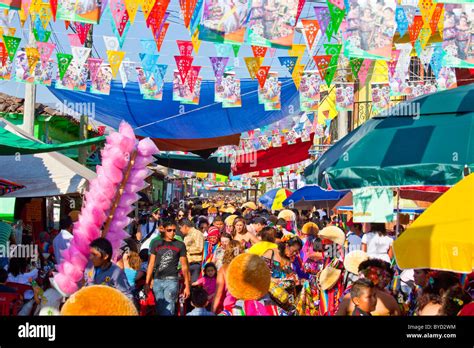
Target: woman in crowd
[240,233]
[377,243]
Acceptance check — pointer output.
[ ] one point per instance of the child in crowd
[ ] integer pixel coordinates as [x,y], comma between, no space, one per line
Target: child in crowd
[364,298]
[208,282]
[199,299]
[132,264]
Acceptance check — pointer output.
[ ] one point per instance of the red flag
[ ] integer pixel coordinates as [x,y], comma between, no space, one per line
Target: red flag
[101,130]
[157,14]
[160,36]
[183,63]
[436,17]
[262,74]
[415,28]
[82,30]
[54,8]
[66,23]
[187,8]
[193,76]
[311,28]
[3,53]
[322,62]
[185,47]
[259,51]
[300,8]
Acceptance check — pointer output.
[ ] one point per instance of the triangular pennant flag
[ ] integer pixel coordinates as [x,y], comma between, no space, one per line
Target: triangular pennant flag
[158,14]
[331,69]
[424,36]
[223,50]
[437,59]
[436,17]
[115,59]
[185,48]
[80,54]
[119,15]
[323,17]
[187,9]
[148,61]
[299,9]
[392,64]
[126,70]
[148,46]
[54,8]
[262,74]
[25,6]
[259,51]
[426,8]
[41,35]
[253,64]
[64,60]
[82,29]
[355,64]
[297,51]
[218,65]
[45,50]
[236,49]
[162,68]
[337,16]
[415,28]
[11,43]
[310,30]
[23,17]
[183,64]
[160,36]
[272,52]
[111,43]
[93,64]
[425,56]
[196,42]
[338,3]
[147,6]
[322,62]
[66,24]
[44,12]
[288,62]
[132,8]
[33,57]
[74,40]
[193,77]
[333,49]
[364,71]
[297,74]
[402,20]
[3,54]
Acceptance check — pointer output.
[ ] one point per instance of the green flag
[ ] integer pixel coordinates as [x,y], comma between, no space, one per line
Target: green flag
[333,49]
[11,43]
[337,15]
[64,60]
[236,49]
[42,36]
[356,63]
[331,69]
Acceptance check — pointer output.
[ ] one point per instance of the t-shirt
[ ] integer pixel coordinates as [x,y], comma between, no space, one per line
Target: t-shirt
[354,241]
[5,233]
[377,245]
[61,242]
[167,257]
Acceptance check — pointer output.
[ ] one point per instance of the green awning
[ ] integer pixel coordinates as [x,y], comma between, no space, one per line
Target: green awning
[193,163]
[12,144]
[427,141]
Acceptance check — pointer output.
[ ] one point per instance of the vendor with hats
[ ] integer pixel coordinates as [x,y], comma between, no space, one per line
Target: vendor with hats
[312,251]
[211,244]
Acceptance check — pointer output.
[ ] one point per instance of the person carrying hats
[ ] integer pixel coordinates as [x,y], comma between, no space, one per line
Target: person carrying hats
[211,244]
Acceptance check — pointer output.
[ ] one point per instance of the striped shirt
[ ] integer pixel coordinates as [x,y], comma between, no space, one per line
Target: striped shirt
[5,233]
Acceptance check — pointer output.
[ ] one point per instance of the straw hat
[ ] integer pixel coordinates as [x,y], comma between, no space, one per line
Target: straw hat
[250,205]
[353,259]
[287,215]
[229,209]
[248,277]
[74,215]
[99,300]
[328,277]
[229,221]
[212,210]
[205,205]
[333,233]
[310,228]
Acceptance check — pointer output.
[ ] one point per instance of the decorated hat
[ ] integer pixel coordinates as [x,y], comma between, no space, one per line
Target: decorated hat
[310,228]
[248,277]
[250,205]
[333,233]
[353,259]
[287,215]
[229,221]
[99,300]
[328,277]
[213,231]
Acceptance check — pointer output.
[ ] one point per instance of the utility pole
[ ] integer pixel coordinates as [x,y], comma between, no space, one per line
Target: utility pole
[30,97]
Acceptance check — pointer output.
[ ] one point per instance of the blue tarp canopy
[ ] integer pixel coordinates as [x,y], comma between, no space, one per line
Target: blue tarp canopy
[169,119]
[402,210]
[313,195]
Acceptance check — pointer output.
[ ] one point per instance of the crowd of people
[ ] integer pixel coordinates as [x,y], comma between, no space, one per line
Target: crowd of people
[176,262]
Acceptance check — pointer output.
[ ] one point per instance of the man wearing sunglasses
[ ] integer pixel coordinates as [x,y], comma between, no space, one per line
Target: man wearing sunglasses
[166,255]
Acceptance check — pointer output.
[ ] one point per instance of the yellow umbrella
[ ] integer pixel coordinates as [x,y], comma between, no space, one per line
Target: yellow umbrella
[442,237]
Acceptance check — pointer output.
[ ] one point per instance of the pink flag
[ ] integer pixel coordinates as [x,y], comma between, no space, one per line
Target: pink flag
[364,71]
[82,30]
[392,64]
[185,47]
[93,64]
[45,50]
[74,40]
[183,63]
[193,76]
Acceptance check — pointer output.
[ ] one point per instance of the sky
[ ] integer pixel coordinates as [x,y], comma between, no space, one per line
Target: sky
[132,47]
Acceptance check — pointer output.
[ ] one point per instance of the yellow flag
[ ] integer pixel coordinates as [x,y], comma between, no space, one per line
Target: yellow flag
[296,75]
[115,59]
[441,23]
[33,57]
[196,42]
[11,31]
[327,108]
[253,64]
[424,36]
[427,8]
[297,51]
[132,8]
[23,17]
[44,11]
[201,175]
[147,6]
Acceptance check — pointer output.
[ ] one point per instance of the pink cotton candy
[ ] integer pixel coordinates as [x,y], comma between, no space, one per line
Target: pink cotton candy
[82,244]
[77,258]
[126,130]
[87,232]
[97,199]
[114,174]
[138,176]
[65,284]
[117,158]
[146,147]
[143,161]
[122,212]
[134,188]
[92,215]
[128,199]
[73,271]
[120,223]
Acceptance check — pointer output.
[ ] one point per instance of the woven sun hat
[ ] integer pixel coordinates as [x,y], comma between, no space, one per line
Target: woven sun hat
[328,277]
[334,234]
[353,259]
[248,277]
[229,221]
[310,228]
[287,215]
[250,205]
